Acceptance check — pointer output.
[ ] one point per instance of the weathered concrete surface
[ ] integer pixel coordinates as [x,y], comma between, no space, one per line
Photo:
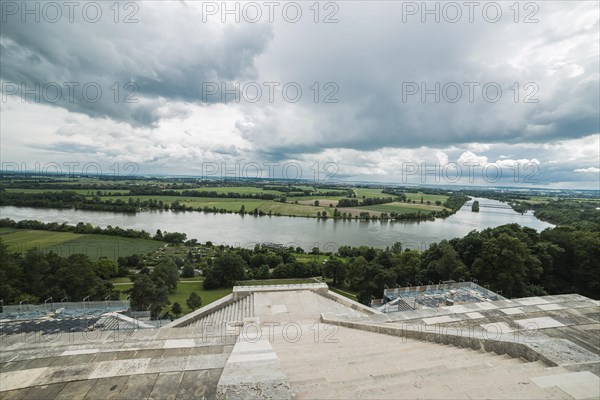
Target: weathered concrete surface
[349,363]
[253,370]
[302,343]
[150,363]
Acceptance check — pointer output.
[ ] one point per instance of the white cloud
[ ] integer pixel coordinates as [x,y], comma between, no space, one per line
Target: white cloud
[470,157]
[594,170]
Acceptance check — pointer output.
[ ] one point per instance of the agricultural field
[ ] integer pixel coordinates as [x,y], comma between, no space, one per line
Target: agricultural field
[235,189]
[402,208]
[293,209]
[112,247]
[369,193]
[322,202]
[67,243]
[416,196]
[19,241]
[85,192]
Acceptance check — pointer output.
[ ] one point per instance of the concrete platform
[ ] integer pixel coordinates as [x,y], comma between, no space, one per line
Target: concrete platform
[305,342]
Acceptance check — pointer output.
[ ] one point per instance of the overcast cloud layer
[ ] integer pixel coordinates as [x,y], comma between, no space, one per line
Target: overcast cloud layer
[368,115]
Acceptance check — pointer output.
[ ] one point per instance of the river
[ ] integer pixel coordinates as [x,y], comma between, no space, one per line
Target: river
[237,230]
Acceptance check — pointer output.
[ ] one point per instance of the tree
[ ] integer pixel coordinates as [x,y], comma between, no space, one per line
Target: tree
[262,272]
[228,268]
[166,275]
[475,206]
[187,271]
[407,266]
[174,237]
[258,259]
[336,269]
[283,271]
[442,262]
[316,203]
[396,248]
[506,264]
[145,293]
[106,268]
[176,308]
[193,301]
[11,275]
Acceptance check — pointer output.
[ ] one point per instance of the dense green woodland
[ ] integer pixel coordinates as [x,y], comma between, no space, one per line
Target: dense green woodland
[514,260]
[36,276]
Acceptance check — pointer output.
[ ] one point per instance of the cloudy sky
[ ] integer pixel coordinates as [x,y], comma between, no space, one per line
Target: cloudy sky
[356,90]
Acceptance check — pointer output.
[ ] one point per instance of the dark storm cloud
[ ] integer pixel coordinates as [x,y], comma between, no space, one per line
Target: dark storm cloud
[168,55]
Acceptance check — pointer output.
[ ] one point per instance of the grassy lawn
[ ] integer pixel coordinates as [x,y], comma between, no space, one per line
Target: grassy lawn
[275,282]
[181,294]
[7,229]
[318,258]
[66,243]
[184,289]
[343,293]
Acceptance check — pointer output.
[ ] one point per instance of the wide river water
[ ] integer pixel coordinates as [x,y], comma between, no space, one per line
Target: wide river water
[237,230]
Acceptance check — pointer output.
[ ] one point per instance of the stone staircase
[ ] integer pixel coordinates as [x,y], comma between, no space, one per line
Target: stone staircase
[234,312]
[331,306]
[370,365]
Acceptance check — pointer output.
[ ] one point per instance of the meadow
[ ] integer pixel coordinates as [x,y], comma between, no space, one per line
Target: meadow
[66,243]
[85,192]
[403,208]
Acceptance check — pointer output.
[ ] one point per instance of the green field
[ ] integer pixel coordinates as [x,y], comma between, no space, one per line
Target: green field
[369,193]
[19,241]
[402,208]
[416,196]
[67,243]
[85,192]
[235,189]
[304,258]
